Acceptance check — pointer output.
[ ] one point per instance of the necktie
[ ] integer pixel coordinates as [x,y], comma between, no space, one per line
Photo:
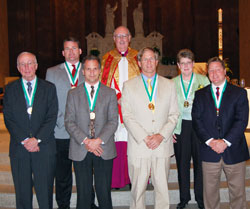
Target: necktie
[29,87]
[217,92]
[149,86]
[73,75]
[150,91]
[73,71]
[92,91]
[92,121]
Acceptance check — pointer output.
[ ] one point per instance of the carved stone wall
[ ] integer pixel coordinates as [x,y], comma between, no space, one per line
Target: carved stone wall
[41,26]
[103,45]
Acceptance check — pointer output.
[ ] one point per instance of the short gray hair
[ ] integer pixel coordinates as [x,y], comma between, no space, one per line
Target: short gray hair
[22,53]
[142,51]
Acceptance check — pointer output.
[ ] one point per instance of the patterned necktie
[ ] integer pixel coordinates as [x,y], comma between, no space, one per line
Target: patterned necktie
[217,92]
[92,91]
[73,71]
[92,121]
[29,87]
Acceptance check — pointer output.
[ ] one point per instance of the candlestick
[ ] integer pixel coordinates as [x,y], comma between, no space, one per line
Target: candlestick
[220,34]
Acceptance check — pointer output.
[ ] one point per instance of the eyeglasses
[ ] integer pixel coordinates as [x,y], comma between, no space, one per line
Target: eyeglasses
[185,63]
[23,64]
[151,59]
[120,36]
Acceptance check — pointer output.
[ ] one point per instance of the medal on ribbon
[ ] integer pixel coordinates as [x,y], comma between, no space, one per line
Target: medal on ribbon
[29,98]
[151,106]
[185,93]
[92,102]
[217,104]
[71,78]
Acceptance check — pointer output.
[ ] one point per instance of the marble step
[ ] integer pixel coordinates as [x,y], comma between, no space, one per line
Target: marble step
[172,206]
[6,177]
[119,198]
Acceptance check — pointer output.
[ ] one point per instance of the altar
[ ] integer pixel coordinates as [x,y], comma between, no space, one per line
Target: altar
[101,45]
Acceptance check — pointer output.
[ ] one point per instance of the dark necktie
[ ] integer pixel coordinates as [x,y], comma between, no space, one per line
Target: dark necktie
[92,91]
[92,121]
[73,71]
[29,87]
[217,92]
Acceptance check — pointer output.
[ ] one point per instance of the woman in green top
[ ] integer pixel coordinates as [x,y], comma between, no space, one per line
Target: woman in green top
[186,143]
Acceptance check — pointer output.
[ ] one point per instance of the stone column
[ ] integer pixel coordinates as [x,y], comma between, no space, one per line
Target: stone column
[4,46]
[244,38]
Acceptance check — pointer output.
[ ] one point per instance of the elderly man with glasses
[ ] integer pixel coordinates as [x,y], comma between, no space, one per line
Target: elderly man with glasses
[118,66]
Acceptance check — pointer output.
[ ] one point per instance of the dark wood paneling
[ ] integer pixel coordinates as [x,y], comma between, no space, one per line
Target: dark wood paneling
[244,33]
[41,26]
[4,48]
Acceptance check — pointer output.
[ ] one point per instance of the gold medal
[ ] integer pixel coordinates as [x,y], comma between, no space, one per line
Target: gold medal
[92,116]
[72,87]
[29,110]
[151,106]
[186,104]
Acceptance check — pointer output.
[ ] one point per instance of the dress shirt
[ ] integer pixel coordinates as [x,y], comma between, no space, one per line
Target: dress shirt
[88,86]
[32,86]
[145,78]
[32,83]
[221,87]
[71,68]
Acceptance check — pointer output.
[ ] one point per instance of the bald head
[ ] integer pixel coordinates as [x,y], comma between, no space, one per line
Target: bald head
[122,38]
[26,54]
[121,29]
[27,65]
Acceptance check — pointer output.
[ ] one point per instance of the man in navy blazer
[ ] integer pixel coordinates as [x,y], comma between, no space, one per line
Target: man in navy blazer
[220,116]
[30,111]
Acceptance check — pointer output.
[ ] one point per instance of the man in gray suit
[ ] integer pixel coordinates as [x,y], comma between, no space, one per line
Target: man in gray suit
[91,119]
[65,76]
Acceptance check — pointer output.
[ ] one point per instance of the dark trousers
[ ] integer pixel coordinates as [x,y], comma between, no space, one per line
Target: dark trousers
[102,170]
[187,146]
[34,169]
[63,174]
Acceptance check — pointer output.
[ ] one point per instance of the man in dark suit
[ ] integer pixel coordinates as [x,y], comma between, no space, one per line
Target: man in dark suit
[65,76]
[30,111]
[91,118]
[220,116]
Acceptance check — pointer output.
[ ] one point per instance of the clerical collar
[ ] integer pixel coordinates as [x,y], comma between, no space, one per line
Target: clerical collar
[123,54]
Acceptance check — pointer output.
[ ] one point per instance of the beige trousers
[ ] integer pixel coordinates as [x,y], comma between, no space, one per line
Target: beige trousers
[235,175]
[139,171]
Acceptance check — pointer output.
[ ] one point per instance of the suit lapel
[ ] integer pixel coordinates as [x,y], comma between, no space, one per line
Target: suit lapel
[225,96]
[81,77]
[141,88]
[20,94]
[64,75]
[83,97]
[38,100]
[158,94]
[211,100]
[100,98]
